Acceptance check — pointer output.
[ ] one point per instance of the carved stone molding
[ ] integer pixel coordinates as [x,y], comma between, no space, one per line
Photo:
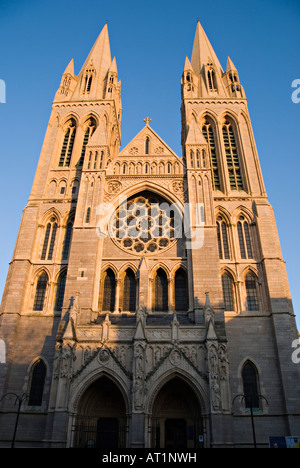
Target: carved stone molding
[113,187]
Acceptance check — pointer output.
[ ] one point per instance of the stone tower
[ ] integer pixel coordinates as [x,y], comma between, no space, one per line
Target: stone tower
[147,290]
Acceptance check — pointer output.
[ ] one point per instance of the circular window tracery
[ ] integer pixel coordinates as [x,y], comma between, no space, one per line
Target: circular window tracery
[145,224]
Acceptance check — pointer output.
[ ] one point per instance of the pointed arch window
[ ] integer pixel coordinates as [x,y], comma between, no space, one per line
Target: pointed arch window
[192,158]
[60,291]
[37,383]
[161,291]
[208,133]
[245,243]
[129,291]
[68,144]
[147,145]
[88,215]
[49,240]
[40,292]
[250,385]
[232,157]
[109,291]
[197,158]
[211,78]
[89,130]
[251,292]
[67,241]
[87,80]
[101,159]
[181,291]
[227,287]
[222,233]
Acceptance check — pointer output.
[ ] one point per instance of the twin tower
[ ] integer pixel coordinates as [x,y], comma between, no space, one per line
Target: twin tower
[146,289]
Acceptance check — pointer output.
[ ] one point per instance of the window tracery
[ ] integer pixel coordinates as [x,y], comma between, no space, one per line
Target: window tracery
[208,132]
[49,239]
[144,224]
[244,237]
[232,157]
[222,234]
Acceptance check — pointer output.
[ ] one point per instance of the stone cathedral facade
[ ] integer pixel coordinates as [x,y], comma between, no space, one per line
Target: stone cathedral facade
[147,290]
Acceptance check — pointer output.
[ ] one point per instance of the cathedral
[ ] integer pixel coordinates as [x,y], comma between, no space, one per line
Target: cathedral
[147,303]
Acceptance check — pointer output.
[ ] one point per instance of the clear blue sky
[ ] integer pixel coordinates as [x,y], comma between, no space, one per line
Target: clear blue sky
[150,41]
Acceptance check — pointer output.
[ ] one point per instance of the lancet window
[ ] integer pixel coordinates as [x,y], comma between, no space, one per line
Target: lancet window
[232,157]
[67,240]
[109,291]
[228,288]
[37,383]
[60,291]
[89,130]
[251,292]
[87,80]
[250,385]
[245,243]
[181,291]
[49,239]
[68,144]
[161,291]
[222,233]
[211,78]
[40,292]
[208,132]
[129,291]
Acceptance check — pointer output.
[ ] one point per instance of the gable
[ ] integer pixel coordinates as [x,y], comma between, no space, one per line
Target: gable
[155,147]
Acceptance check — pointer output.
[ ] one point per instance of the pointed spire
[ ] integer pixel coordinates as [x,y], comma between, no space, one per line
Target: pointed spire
[113,66]
[70,68]
[94,69]
[187,65]
[230,66]
[67,84]
[232,80]
[203,52]
[100,55]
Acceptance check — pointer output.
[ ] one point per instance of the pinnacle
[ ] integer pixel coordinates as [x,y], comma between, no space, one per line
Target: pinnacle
[70,68]
[230,65]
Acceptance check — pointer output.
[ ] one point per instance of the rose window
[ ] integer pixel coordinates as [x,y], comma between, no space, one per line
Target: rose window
[145,224]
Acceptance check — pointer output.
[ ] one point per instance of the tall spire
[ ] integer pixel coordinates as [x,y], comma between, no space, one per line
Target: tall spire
[206,66]
[95,69]
[100,54]
[203,52]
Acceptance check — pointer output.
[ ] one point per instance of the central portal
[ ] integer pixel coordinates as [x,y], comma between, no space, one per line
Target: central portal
[175,434]
[176,417]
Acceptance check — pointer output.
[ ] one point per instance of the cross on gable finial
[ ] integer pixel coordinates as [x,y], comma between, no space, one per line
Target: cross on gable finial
[147,120]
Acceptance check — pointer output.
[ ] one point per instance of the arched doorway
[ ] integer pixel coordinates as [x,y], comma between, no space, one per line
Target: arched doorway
[101,418]
[176,417]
